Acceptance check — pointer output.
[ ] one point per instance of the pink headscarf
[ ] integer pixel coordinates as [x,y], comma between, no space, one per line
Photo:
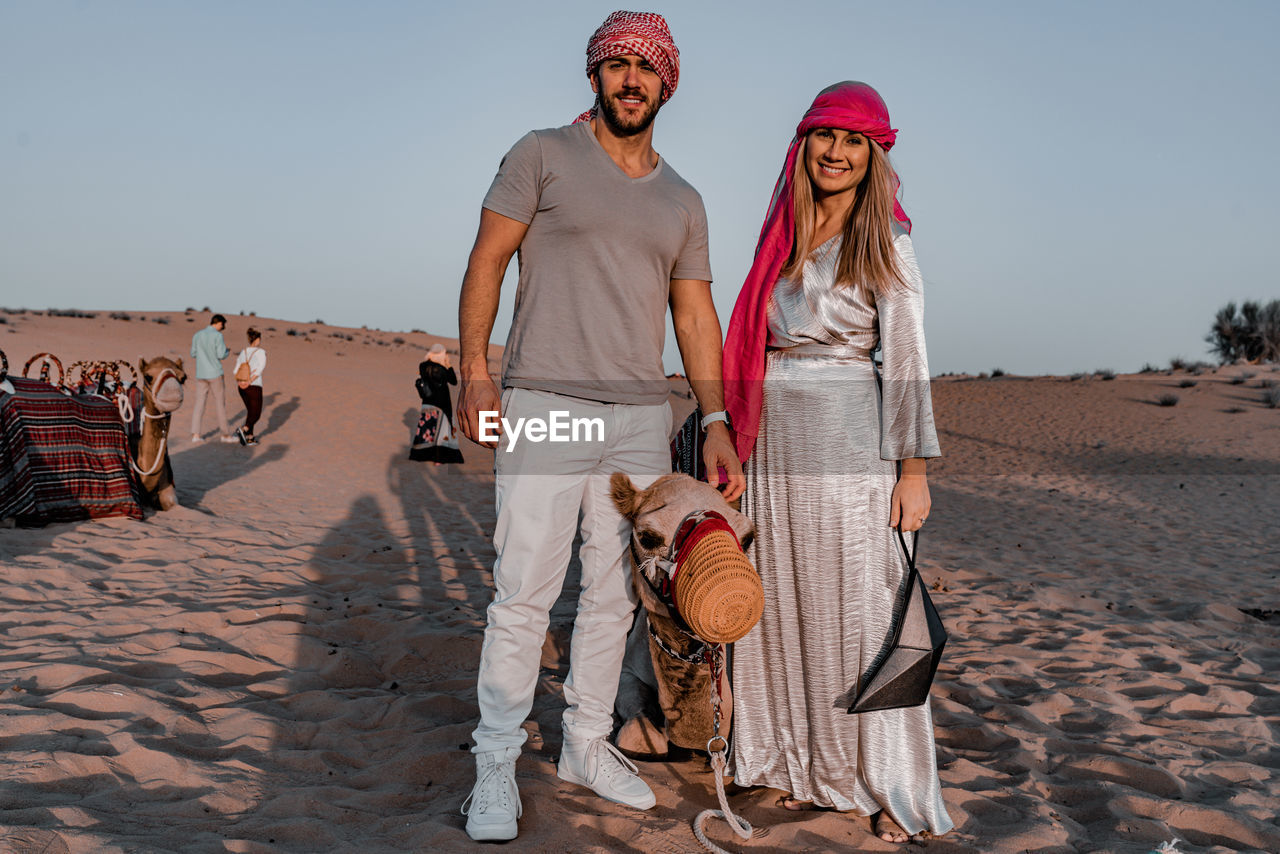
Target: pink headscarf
[847,106]
[644,34]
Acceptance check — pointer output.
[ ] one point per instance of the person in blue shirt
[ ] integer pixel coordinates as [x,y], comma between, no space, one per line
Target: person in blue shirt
[209,349]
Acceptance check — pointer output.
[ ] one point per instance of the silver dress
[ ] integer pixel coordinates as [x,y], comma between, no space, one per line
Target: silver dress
[819,485]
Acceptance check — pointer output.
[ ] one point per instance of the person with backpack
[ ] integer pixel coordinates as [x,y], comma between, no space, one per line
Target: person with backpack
[250,364]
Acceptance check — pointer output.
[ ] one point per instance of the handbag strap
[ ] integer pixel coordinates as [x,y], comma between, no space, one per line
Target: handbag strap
[910,555]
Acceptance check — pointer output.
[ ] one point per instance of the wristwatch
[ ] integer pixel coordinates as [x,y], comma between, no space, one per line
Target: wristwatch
[712,417]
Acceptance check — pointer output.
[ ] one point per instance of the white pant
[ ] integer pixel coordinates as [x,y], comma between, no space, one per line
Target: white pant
[210,388]
[537,514]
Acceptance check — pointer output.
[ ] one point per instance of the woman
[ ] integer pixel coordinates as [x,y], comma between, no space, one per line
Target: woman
[433,438]
[250,364]
[837,457]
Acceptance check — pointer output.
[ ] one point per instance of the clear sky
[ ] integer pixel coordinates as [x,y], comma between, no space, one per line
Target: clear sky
[1089,181]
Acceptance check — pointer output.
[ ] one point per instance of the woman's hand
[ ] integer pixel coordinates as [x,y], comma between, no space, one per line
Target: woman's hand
[910,504]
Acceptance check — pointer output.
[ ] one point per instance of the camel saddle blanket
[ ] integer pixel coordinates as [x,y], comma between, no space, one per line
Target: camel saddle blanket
[63,459]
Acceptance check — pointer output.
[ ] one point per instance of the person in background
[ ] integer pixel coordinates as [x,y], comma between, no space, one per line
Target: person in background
[209,348]
[250,364]
[433,438]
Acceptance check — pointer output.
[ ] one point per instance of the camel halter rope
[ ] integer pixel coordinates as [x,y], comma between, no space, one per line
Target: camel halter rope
[164,429]
[713,654]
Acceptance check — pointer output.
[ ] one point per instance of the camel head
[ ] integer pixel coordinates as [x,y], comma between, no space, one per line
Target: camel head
[657,512]
[162,380]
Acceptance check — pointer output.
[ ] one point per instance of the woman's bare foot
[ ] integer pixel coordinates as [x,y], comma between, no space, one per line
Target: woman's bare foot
[887,829]
[789,803]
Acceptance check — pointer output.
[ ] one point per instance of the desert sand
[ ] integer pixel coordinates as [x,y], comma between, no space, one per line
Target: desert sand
[287,662]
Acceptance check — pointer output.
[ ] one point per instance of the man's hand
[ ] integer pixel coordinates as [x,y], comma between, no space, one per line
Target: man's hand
[477,394]
[718,452]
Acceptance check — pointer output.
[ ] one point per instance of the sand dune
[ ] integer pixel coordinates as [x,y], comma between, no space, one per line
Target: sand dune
[287,663]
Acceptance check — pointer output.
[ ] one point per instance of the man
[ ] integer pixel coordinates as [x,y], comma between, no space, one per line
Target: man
[209,349]
[608,235]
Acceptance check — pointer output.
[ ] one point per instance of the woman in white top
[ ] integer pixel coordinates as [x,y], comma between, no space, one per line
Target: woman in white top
[249,380]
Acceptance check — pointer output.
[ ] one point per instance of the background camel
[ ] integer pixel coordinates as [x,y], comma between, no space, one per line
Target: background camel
[162,381]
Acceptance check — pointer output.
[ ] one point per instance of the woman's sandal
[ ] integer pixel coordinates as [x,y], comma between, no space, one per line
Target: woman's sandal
[887,829]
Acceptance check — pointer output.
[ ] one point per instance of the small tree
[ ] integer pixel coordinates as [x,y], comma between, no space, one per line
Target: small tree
[1251,333]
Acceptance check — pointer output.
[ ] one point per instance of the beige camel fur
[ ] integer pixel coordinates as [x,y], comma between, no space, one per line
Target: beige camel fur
[680,714]
[161,380]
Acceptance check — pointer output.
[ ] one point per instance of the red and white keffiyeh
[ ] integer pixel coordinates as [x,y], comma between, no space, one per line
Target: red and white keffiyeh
[643,34]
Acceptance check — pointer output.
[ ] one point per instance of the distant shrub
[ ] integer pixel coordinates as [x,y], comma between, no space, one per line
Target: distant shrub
[1105,374]
[291,332]
[189,309]
[1075,377]
[163,321]
[318,322]
[397,340]
[71,312]
[1177,364]
[120,315]
[313,330]
[1199,368]
[417,331]
[1167,400]
[1238,379]
[1271,398]
[191,320]
[271,329]
[206,308]
[1148,368]
[982,376]
[1267,383]
[253,314]
[997,372]
[4,320]
[1187,384]
[1251,333]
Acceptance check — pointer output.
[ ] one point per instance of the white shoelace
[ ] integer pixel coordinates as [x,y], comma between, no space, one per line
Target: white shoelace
[610,769]
[494,788]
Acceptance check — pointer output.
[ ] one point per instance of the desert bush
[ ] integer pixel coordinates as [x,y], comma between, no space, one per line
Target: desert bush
[206,308]
[1177,363]
[418,331]
[291,332]
[397,340]
[119,315]
[318,322]
[163,321]
[982,376]
[1238,379]
[1271,398]
[1167,400]
[71,312]
[1149,368]
[1251,332]
[1267,383]
[1075,377]
[1187,384]
[1105,374]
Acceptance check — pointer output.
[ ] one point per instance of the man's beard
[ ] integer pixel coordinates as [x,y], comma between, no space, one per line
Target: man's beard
[627,127]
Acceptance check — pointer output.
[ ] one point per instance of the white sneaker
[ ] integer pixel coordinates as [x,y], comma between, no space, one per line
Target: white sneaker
[229,440]
[195,437]
[494,803]
[602,768]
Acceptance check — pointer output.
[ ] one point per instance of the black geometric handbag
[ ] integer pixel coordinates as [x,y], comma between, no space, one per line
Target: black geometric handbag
[905,670]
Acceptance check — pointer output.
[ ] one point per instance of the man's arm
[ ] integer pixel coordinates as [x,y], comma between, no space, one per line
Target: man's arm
[698,335]
[497,240]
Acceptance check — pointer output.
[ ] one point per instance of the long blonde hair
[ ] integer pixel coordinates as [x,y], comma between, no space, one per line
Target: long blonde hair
[867,257]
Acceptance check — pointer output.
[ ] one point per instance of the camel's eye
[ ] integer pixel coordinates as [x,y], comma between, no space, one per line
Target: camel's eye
[650,539]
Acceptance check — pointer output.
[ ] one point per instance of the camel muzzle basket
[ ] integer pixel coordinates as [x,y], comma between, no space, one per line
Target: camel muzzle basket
[717,591]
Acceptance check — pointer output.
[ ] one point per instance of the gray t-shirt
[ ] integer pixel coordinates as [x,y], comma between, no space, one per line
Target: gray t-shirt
[595,266]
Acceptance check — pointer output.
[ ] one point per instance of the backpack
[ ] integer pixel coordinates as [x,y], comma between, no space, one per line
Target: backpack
[244,373]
